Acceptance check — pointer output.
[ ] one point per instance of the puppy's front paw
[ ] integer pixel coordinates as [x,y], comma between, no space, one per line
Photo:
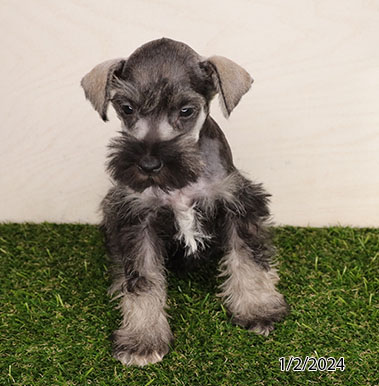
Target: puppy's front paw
[259,326]
[129,358]
[263,324]
[139,350]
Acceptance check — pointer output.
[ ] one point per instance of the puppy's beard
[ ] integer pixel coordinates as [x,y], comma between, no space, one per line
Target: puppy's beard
[181,159]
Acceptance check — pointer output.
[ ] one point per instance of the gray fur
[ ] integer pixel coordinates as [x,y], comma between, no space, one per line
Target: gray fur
[195,202]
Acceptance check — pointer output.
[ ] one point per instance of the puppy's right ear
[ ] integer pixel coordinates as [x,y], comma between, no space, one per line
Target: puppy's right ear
[96,84]
[230,80]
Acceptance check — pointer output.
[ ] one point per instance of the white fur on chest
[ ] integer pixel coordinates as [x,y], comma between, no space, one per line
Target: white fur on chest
[188,220]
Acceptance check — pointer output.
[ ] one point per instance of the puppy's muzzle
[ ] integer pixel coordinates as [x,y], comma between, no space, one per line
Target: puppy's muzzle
[150,164]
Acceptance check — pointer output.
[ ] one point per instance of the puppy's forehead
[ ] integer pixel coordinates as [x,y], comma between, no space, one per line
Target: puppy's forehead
[160,59]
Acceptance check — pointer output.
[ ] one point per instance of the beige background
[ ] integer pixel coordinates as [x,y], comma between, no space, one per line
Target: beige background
[308,129]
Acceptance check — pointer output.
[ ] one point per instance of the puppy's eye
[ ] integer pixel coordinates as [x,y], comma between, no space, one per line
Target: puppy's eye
[127,109]
[186,112]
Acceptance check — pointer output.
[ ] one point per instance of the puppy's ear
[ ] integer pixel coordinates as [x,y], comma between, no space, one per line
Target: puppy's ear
[96,84]
[230,79]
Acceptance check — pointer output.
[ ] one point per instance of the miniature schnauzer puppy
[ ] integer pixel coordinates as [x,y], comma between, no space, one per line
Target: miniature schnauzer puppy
[177,193]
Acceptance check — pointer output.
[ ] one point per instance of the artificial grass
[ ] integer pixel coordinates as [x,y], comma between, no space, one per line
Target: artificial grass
[56,317]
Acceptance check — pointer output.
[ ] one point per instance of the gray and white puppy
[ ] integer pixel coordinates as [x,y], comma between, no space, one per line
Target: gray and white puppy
[177,193]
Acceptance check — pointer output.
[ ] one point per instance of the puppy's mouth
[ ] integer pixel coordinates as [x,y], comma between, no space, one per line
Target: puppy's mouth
[150,178]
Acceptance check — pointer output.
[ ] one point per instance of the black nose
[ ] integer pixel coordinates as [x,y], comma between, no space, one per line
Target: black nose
[150,164]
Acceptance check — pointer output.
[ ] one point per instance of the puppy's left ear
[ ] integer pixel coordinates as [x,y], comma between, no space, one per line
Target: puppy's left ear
[96,84]
[230,79]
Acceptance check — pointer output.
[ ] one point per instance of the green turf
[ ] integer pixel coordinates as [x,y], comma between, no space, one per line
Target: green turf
[56,317]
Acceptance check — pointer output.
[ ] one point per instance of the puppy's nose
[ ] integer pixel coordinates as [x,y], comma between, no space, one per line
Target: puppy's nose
[150,164]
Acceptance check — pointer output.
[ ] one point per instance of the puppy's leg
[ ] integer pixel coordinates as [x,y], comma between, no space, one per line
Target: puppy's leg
[144,335]
[249,289]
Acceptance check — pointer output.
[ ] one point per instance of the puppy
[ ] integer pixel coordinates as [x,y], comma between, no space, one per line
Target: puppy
[177,193]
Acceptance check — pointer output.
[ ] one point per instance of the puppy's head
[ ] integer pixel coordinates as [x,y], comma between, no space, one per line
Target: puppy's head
[161,94]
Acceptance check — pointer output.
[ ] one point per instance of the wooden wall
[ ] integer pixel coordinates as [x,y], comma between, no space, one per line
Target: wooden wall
[308,129]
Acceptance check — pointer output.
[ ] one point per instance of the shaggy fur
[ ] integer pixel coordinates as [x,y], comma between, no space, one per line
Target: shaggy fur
[176,189]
